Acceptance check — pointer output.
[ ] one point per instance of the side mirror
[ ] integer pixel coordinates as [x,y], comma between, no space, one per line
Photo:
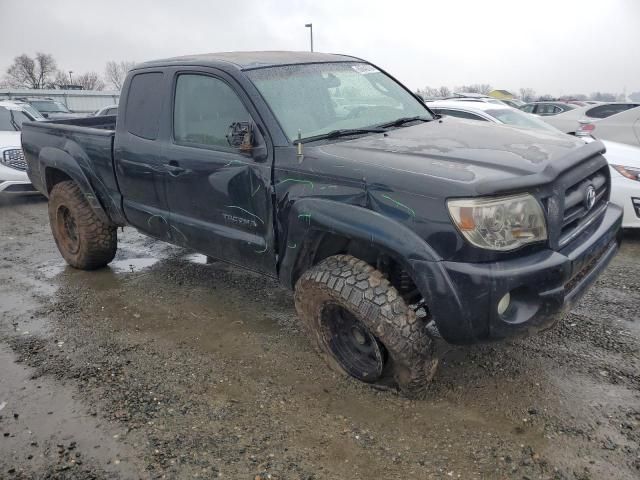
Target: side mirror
[45,115]
[247,138]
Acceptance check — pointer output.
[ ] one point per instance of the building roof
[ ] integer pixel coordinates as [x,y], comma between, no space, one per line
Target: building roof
[250,60]
[500,94]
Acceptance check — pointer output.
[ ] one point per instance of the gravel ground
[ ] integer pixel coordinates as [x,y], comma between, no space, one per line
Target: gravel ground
[162,366]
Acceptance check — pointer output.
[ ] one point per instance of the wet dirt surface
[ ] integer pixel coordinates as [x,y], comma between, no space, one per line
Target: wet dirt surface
[163,366]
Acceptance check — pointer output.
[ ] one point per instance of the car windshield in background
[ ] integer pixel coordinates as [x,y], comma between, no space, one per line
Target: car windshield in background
[49,106]
[32,112]
[11,120]
[321,98]
[516,118]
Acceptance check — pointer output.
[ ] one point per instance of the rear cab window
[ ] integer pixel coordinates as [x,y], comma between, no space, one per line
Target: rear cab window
[144,104]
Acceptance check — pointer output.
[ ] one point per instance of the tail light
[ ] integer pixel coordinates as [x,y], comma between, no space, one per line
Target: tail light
[585,129]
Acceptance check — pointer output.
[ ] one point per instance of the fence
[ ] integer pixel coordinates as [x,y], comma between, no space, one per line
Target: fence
[81,101]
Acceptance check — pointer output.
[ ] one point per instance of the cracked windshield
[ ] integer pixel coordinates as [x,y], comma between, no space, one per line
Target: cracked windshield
[319,98]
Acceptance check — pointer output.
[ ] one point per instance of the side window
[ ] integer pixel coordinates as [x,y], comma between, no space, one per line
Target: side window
[204,109]
[546,109]
[460,114]
[528,108]
[144,104]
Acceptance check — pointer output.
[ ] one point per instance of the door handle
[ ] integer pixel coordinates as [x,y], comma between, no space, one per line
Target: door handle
[174,169]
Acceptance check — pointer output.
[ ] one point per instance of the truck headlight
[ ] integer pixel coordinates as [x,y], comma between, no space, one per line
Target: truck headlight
[503,223]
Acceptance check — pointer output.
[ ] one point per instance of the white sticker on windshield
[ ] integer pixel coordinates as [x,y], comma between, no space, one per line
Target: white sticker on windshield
[364,68]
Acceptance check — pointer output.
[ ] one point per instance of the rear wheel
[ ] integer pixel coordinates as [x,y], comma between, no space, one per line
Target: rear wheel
[83,239]
[363,327]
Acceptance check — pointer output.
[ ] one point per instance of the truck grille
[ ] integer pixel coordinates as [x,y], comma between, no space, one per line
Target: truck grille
[14,158]
[583,201]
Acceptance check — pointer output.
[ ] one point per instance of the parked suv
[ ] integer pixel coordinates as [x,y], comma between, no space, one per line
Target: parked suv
[13,175]
[395,228]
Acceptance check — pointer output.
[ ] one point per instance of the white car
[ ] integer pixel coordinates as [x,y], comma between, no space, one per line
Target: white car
[570,121]
[27,109]
[13,175]
[622,127]
[624,160]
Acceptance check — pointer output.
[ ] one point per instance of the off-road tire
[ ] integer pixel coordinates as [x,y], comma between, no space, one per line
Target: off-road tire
[90,243]
[362,290]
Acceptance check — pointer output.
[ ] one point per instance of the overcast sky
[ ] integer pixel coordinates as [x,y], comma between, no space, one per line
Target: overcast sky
[553,46]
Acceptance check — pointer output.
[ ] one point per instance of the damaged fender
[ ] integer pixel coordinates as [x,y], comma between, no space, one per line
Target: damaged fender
[311,218]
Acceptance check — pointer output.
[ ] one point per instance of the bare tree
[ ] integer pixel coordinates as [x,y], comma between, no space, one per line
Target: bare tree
[115,72]
[27,72]
[603,96]
[61,80]
[89,81]
[527,94]
[428,92]
[482,88]
[444,92]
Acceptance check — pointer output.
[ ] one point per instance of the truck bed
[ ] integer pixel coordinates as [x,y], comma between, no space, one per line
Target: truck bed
[107,122]
[83,146]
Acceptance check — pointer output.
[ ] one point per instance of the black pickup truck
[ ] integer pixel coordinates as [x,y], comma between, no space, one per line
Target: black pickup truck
[394,226]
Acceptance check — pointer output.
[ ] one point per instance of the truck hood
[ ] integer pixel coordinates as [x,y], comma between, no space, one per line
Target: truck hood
[9,139]
[459,151]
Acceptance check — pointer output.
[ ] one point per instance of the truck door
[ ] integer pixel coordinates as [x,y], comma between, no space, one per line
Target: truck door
[219,197]
[138,155]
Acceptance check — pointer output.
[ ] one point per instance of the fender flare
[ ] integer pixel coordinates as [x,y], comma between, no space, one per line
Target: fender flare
[54,158]
[310,218]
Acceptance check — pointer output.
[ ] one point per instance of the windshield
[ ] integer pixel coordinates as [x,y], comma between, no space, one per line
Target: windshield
[11,120]
[49,106]
[320,98]
[32,112]
[517,118]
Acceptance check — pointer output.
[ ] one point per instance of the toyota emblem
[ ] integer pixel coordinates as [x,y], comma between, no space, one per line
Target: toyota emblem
[590,197]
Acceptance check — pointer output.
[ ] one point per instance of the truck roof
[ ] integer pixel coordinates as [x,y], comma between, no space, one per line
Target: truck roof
[250,60]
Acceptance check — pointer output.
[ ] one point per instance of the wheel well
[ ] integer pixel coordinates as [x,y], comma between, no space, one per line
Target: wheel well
[327,244]
[53,176]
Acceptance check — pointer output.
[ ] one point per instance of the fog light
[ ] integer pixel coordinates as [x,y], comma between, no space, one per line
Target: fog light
[503,304]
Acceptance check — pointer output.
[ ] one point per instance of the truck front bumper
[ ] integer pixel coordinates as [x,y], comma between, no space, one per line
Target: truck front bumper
[543,286]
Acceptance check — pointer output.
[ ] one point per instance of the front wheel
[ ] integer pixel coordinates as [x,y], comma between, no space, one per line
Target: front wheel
[83,239]
[363,327]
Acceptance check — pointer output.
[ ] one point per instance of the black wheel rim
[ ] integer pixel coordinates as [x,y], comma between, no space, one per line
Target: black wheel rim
[352,344]
[68,230]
